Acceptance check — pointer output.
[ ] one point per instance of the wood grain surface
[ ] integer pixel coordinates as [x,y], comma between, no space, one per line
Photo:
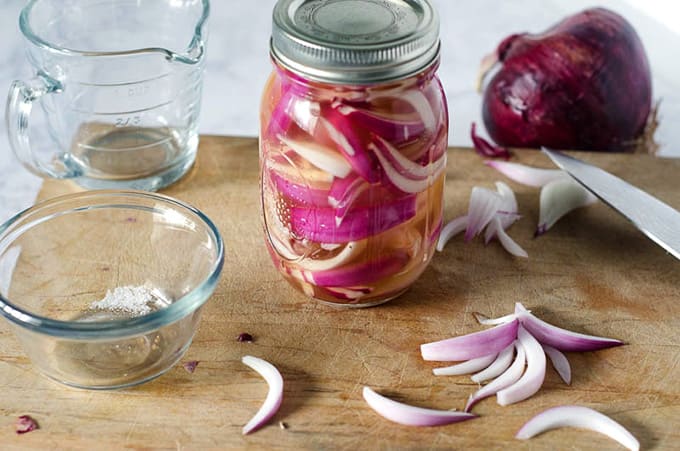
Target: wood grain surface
[593,273]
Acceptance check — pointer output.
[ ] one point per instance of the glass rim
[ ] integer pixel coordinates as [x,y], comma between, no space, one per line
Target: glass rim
[196,45]
[179,309]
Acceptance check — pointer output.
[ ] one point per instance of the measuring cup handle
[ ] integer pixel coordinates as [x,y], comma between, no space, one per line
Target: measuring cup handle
[20,101]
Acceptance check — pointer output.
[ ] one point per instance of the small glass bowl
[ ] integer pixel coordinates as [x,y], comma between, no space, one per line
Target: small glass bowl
[62,256]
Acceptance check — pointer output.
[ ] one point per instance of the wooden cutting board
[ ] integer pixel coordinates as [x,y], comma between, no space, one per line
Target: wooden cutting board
[593,273]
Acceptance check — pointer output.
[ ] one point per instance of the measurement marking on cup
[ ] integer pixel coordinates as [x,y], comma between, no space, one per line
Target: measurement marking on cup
[118,113]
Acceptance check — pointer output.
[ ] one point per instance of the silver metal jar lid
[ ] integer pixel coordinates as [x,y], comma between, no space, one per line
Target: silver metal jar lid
[355,41]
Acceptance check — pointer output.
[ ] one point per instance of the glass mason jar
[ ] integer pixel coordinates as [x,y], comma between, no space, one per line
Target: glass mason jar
[353,139]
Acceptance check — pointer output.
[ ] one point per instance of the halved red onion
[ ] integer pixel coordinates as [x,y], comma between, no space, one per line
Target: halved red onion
[497,367]
[471,346]
[509,377]
[562,339]
[579,417]
[559,362]
[450,230]
[558,198]
[394,128]
[274,396]
[483,206]
[411,415]
[533,377]
[357,274]
[467,367]
[320,156]
[485,148]
[526,175]
[320,225]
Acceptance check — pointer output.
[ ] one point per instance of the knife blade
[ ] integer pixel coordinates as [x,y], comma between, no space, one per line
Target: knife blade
[659,221]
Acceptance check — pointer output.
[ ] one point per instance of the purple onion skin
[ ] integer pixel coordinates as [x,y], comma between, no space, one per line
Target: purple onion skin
[584,84]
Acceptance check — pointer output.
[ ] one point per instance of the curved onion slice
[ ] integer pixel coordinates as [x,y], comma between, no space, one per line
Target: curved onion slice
[467,367]
[471,346]
[533,377]
[526,175]
[562,339]
[343,134]
[508,211]
[274,397]
[410,415]
[343,194]
[320,156]
[394,128]
[321,225]
[580,417]
[350,294]
[508,243]
[404,183]
[509,377]
[486,321]
[485,148]
[558,198]
[559,362]
[450,230]
[351,250]
[497,367]
[483,206]
[406,167]
[359,273]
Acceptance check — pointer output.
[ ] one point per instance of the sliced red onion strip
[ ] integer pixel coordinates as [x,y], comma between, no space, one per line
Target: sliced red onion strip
[562,339]
[404,183]
[274,396]
[406,167]
[486,321]
[320,156]
[300,193]
[450,230]
[558,198]
[508,211]
[526,175]
[418,102]
[484,148]
[395,128]
[508,243]
[350,294]
[533,377]
[349,252]
[344,134]
[320,225]
[483,206]
[471,346]
[360,273]
[559,362]
[467,367]
[497,367]
[579,417]
[509,377]
[343,194]
[411,415]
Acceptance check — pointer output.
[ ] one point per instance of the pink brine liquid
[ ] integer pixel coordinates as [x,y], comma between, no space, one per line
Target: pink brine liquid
[352,183]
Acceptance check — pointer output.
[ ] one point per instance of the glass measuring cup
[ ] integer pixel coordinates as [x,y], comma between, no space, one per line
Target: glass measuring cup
[120,83]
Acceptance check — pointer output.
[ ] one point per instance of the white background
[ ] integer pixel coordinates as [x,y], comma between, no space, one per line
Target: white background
[238,64]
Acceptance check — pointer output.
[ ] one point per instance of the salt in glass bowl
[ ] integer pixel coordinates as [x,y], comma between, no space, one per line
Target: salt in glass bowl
[59,259]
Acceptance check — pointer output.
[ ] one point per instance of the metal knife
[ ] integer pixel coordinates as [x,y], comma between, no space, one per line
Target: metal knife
[657,220]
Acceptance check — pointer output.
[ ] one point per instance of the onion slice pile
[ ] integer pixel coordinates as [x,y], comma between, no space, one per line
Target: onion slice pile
[495,210]
[274,397]
[490,353]
[580,417]
[559,193]
[411,415]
